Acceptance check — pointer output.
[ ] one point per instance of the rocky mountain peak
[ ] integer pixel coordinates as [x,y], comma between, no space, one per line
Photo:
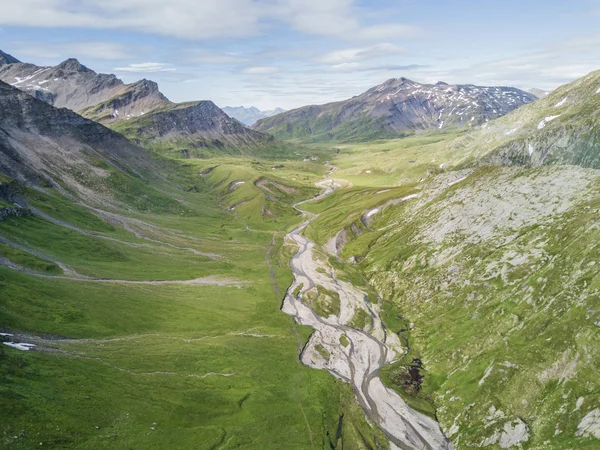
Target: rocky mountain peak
[208,105]
[200,124]
[393,84]
[399,81]
[5,58]
[72,85]
[72,65]
[147,86]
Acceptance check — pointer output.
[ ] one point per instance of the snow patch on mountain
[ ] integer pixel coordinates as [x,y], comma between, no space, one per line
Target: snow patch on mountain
[562,102]
[546,121]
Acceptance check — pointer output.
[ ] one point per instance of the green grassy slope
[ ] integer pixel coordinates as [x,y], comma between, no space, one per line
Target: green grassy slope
[505,325]
[329,125]
[490,278]
[152,366]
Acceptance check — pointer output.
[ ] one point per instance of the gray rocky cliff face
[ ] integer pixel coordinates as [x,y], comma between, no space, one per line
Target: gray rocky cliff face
[41,144]
[201,117]
[134,100]
[67,85]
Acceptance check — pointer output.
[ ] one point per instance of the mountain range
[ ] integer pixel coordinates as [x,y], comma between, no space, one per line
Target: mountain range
[395,108]
[131,107]
[249,116]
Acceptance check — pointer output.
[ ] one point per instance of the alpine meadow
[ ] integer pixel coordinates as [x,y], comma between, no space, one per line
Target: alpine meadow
[284,224]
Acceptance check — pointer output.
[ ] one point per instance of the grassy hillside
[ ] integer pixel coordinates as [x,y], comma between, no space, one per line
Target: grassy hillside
[120,362]
[488,275]
[328,126]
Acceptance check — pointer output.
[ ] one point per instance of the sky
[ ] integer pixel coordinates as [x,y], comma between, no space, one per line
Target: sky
[289,53]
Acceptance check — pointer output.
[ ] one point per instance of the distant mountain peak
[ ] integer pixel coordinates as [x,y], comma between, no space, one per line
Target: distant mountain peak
[393,83]
[395,107]
[72,65]
[250,115]
[396,81]
[147,86]
[5,58]
[273,112]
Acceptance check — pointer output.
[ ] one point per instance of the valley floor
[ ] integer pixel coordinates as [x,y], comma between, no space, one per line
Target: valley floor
[162,327]
[154,330]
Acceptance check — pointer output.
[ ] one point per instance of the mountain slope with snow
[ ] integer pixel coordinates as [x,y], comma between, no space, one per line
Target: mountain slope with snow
[561,128]
[396,107]
[68,85]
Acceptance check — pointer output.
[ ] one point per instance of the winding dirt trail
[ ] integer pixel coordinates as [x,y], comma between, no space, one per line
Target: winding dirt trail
[74,276]
[364,353]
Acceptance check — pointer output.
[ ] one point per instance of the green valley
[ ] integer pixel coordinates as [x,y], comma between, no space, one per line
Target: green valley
[413,268]
[152,365]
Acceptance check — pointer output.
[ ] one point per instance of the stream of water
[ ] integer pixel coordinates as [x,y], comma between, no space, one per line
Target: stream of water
[357,358]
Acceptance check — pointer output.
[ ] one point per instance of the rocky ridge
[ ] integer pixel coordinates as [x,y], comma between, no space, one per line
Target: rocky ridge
[194,126]
[68,85]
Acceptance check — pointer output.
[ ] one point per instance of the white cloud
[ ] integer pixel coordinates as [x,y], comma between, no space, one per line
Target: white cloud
[179,18]
[387,31]
[358,67]
[352,55]
[207,57]
[337,18]
[260,70]
[203,20]
[64,50]
[147,67]
[346,67]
